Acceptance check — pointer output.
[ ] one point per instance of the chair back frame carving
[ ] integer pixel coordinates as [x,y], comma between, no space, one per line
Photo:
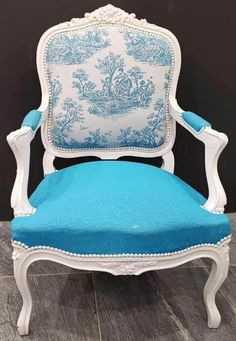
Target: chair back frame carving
[108,15]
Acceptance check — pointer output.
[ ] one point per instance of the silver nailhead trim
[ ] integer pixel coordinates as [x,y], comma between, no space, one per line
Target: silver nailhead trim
[120,254]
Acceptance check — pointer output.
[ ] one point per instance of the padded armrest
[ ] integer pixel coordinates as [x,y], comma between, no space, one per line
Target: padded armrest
[195,121]
[19,141]
[32,119]
[215,143]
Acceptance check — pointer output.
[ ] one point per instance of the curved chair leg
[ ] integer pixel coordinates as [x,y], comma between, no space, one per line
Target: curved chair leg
[218,274]
[20,273]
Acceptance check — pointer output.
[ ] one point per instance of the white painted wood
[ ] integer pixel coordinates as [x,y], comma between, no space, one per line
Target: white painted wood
[19,141]
[130,265]
[48,160]
[219,272]
[215,143]
[168,162]
[44,106]
[20,274]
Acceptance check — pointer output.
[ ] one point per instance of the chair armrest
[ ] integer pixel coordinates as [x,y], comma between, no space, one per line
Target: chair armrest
[214,142]
[19,141]
[32,119]
[194,121]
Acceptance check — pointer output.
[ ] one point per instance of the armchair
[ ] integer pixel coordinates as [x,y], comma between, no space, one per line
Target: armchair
[108,85]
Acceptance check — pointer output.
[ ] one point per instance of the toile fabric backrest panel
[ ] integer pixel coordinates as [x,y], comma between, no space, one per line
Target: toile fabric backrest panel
[109,88]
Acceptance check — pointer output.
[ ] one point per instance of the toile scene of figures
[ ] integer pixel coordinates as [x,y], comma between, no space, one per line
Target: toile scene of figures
[122,90]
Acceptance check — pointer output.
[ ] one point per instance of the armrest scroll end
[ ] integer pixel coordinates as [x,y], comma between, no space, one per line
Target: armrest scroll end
[215,143]
[19,141]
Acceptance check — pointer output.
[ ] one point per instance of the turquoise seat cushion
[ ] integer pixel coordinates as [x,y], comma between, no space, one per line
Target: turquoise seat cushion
[118,207]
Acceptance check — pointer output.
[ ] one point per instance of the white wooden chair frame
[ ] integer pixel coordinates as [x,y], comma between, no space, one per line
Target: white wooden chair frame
[214,142]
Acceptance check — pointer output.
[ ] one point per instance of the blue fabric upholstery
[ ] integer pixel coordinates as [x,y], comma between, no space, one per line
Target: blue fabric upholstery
[194,121]
[32,119]
[113,207]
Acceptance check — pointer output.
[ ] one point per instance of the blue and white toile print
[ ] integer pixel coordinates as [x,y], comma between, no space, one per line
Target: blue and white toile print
[152,135]
[94,139]
[108,89]
[56,89]
[147,48]
[64,121]
[70,114]
[122,89]
[70,49]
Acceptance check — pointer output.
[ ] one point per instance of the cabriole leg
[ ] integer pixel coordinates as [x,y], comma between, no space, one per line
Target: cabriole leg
[218,274]
[20,273]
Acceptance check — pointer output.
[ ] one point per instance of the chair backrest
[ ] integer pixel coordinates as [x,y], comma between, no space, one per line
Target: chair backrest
[108,77]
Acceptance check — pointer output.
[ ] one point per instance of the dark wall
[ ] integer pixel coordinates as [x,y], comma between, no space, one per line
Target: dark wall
[206,32]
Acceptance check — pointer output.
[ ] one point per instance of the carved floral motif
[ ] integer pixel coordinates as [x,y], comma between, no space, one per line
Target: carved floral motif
[109,14]
[225,249]
[125,268]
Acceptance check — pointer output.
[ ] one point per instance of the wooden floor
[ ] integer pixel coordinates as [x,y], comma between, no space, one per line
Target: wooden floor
[75,305]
